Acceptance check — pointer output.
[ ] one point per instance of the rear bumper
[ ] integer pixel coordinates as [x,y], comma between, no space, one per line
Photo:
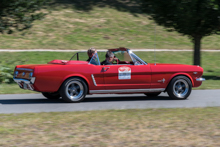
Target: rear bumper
[25,84]
[200,79]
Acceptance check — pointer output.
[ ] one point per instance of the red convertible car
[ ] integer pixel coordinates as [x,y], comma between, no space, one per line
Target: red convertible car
[75,78]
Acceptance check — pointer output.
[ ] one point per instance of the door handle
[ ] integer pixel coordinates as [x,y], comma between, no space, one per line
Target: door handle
[105,68]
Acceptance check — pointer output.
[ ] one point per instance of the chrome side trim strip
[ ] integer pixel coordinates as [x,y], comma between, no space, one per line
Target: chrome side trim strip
[200,79]
[93,79]
[127,90]
[24,69]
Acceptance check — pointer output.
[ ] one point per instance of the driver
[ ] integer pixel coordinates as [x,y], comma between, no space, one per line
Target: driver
[109,58]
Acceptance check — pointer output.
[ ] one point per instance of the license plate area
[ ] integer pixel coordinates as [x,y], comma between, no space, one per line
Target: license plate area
[24,85]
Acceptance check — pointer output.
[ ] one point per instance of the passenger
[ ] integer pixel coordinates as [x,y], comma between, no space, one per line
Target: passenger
[91,52]
[92,59]
[110,57]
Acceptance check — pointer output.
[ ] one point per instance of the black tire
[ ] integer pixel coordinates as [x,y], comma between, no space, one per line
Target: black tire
[51,95]
[73,90]
[179,88]
[155,94]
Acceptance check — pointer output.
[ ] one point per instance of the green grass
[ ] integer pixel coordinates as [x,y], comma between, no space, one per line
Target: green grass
[146,127]
[13,89]
[210,64]
[101,27]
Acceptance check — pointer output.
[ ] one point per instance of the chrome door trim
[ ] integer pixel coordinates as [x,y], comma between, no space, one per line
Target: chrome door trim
[127,90]
[93,79]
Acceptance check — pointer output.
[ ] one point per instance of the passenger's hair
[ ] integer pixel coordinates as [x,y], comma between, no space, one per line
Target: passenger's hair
[91,51]
[109,54]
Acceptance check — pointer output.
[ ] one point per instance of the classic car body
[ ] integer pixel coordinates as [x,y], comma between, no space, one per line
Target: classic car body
[74,79]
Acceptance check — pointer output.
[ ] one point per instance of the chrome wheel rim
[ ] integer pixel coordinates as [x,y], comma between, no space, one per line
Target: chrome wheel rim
[74,90]
[180,88]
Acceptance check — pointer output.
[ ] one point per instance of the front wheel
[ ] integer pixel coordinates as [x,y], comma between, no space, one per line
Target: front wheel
[73,90]
[179,88]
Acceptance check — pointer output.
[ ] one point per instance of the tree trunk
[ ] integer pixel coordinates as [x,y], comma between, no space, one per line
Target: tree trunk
[197,46]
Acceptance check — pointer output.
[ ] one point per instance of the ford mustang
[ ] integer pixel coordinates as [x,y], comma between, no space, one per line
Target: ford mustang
[73,79]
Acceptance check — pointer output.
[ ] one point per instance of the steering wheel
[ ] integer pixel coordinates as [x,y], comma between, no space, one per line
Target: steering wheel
[137,63]
[117,61]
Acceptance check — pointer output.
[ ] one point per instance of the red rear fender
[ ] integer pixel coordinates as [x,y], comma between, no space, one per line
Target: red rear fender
[77,75]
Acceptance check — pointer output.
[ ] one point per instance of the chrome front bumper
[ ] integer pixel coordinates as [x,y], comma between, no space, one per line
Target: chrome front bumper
[200,79]
[25,84]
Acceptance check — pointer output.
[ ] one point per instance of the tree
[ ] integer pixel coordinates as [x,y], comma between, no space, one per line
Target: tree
[194,18]
[19,14]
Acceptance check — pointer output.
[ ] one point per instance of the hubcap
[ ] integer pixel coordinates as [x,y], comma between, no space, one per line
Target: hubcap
[180,88]
[74,90]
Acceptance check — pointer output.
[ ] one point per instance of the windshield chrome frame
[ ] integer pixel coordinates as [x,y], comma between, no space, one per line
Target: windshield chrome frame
[131,53]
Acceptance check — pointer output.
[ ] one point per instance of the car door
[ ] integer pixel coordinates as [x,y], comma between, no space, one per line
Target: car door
[95,74]
[126,76]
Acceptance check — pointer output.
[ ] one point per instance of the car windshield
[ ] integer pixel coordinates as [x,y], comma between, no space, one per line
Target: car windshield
[122,56]
[136,59]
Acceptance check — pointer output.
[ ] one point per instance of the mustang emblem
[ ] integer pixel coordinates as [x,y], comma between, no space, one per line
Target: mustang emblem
[163,80]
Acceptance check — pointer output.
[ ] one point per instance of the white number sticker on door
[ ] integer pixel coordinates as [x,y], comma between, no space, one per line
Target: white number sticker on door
[124,73]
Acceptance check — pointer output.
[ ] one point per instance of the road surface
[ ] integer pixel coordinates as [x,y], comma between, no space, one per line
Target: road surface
[25,103]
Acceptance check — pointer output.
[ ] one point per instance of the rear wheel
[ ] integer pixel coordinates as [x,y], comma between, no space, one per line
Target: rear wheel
[73,90]
[179,88]
[152,94]
[51,95]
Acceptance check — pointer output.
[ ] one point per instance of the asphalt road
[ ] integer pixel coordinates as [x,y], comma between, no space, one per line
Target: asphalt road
[23,103]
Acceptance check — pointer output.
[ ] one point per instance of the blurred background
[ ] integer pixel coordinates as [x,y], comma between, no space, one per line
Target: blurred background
[73,24]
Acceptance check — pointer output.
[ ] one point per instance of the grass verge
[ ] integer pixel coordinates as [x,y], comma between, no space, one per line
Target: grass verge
[147,127]
[102,27]
[210,64]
